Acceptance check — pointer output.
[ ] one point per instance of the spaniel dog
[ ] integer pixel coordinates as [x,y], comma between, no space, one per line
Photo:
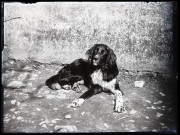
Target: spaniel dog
[99,74]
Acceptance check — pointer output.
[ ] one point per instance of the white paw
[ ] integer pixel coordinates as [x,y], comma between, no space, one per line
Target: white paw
[119,107]
[119,102]
[77,102]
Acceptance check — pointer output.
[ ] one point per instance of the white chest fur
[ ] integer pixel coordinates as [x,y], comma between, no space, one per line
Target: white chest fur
[97,78]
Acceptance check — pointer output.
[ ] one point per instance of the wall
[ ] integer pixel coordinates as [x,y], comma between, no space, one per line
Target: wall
[140,33]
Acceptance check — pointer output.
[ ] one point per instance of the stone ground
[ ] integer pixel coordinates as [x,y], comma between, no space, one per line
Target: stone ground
[30,106]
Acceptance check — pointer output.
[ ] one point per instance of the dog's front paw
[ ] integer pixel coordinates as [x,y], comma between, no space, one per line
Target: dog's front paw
[119,107]
[77,102]
[119,103]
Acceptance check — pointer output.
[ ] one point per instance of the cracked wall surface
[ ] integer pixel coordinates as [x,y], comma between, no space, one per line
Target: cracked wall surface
[140,33]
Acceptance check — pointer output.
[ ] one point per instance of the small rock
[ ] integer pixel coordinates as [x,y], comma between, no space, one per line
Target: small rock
[152,107]
[18,103]
[12,110]
[147,117]
[6,120]
[53,121]
[38,109]
[43,122]
[159,114]
[13,102]
[162,124]
[19,118]
[148,101]
[55,109]
[139,84]
[68,116]
[144,128]
[29,84]
[132,111]
[44,126]
[131,120]
[67,128]
[162,94]
[51,124]
[154,130]
[16,112]
[82,113]
[15,85]
[106,125]
[13,117]
[158,102]
[63,130]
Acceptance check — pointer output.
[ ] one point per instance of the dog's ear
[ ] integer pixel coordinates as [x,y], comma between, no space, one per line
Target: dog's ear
[89,53]
[111,58]
[110,69]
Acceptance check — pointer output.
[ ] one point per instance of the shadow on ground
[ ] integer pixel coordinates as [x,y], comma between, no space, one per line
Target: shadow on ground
[30,106]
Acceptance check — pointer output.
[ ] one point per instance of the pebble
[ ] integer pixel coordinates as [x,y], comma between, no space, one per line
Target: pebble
[144,128]
[55,109]
[68,116]
[154,130]
[67,128]
[106,125]
[16,112]
[19,118]
[44,126]
[162,94]
[148,101]
[15,85]
[12,110]
[13,117]
[18,103]
[43,122]
[159,114]
[152,107]
[38,109]
[51,124]
[139,84]
[158,102]
[53,121]
[132,111]
[147,117]
[162,124]
[131,120]
[62,130]
[13,102]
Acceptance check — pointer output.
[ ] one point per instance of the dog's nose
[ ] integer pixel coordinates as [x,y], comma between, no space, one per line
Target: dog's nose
[96,57]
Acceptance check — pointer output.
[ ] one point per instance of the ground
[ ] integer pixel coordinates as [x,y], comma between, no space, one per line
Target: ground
[30,106]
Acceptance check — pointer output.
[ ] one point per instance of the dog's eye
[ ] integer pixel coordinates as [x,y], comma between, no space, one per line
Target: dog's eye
[97,49]
[102,52]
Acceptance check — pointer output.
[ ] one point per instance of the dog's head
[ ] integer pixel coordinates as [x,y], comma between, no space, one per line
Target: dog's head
[101,55]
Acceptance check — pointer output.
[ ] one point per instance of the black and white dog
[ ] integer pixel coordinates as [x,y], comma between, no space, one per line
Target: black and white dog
[99,74]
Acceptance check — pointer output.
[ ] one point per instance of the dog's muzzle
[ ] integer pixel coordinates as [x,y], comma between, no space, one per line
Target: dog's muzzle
[96,60]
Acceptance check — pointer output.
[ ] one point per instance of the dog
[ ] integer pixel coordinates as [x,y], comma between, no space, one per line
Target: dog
[99,73]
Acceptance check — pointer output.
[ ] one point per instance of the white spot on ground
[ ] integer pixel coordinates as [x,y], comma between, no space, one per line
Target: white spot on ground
[162,94]
[13,102]
[152,107]
[38,109]
[158,102]
[159,114]
[132,111]
[15,84]
[68,116]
